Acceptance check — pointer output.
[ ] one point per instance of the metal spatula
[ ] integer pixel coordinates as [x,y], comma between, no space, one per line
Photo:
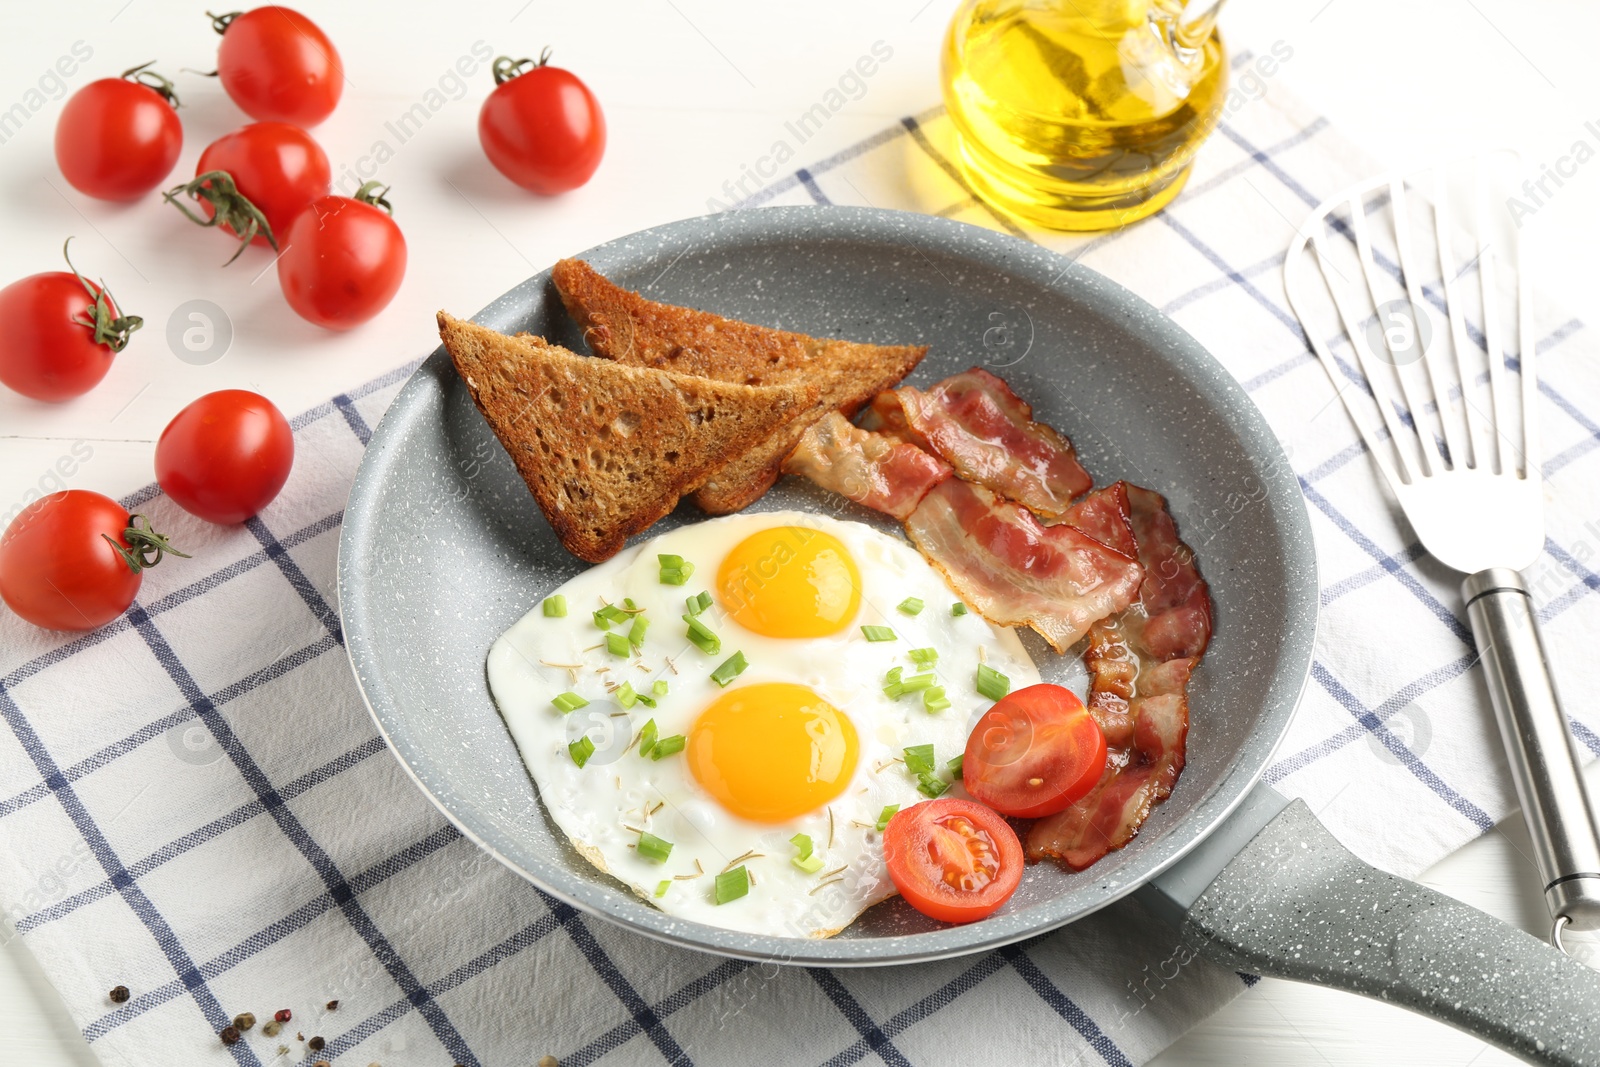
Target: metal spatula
[1448,411]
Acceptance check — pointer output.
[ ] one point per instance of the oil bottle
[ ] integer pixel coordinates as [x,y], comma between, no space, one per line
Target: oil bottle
[1082,114]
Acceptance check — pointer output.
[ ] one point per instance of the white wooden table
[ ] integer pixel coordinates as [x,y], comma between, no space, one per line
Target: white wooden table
[693,90]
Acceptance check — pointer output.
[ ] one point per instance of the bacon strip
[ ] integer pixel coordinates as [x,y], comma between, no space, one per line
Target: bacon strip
[1015,570]
[1139,665]
[976,423]
[872,469]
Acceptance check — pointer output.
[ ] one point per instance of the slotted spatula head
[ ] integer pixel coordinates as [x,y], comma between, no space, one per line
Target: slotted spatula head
[1405,286]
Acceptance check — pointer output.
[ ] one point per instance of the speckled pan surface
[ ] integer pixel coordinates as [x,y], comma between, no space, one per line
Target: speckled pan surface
[1138,396]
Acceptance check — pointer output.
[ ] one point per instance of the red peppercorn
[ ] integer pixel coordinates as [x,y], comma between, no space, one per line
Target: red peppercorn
[283,1015]
[229,1035]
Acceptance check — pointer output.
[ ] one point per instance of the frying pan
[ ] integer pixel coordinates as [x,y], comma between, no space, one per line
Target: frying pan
[443,547]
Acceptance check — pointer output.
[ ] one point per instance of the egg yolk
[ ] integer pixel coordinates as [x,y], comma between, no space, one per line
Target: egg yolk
[790,581]
[772,751]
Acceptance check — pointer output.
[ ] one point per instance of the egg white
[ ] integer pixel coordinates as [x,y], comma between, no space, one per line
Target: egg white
[601,806]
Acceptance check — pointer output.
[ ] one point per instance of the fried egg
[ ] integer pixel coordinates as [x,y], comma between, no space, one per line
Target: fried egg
[784,721]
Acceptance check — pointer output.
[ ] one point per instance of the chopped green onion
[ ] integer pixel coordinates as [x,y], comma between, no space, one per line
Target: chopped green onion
[625,695]
[919,759]
[802,844]
[911,606]
[811,864]
[991,683]
[700,602]
[895,687]
[885,815]
[580,750]
[731,668]
[931,786]
[667,746]
[917,683]
[891,684]
[647,700]
[675,570]
[617,645]
[933,699]
[662,887]
[555,607]
[958,609]
[703,638]
[652,847]
[955,765]
[604,617]
[877,633]
[924,657]
[647,738]
[658,687]
[569,702]
[731,885]
[636,631]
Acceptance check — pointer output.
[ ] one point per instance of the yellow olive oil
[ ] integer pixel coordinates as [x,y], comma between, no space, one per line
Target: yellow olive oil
[1081,114]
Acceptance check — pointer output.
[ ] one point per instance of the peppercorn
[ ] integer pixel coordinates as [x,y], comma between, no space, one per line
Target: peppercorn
[282,1015]
[549,1061]
[333,1005]
[229,1035]
[272,1029]
[316,1044]
[120,994]
[322,1063]
[244,1021]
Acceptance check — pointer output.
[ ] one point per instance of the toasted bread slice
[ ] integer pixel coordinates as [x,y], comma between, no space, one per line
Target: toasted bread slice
[607,449]
[624,326]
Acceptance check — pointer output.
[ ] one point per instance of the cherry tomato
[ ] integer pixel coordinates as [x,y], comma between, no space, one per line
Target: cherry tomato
[542,128]
[75,559]
[1034,753]
[225,456]
[61,332]
[274,166]
[278,65]
[953,860]
[343,260]
[118,138]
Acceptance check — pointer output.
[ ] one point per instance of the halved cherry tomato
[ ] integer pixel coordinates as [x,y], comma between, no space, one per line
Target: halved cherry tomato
[74,560]
[541,127]
[1034,753]
[277,169]
[278,65]
[118,138]
[953,860]
[225,456]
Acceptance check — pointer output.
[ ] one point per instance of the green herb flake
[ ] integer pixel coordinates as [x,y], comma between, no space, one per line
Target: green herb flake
[924,657]
[810,865]
[658,687]
[667,746]
[919,759]
[958,609]
[802,845]
[731,885]
[647,738]
[662,887]
[702,637]
[580,750]
[878,633]
[636,631]
[956,764]
[885,815]
[730,669]
[910,606]
[699,602]
[652,847]
[568,702]
[933,699]
[675,570]
[991,683]
[617,645]
[555,607]
[625,695]
[930,785]
[604,617]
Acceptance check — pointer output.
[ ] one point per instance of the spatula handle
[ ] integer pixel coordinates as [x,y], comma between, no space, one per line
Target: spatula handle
[1543,756]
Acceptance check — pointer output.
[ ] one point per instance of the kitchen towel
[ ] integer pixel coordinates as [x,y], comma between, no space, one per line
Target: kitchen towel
[194,803]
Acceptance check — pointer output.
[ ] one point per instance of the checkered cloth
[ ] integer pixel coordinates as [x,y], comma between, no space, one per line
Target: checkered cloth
[195,804]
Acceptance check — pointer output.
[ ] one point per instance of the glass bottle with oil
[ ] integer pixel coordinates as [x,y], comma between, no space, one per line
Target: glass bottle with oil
[1082,114]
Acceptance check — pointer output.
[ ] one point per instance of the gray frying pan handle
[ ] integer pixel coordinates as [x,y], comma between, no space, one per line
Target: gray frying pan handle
[1272,892]
[1544,760]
